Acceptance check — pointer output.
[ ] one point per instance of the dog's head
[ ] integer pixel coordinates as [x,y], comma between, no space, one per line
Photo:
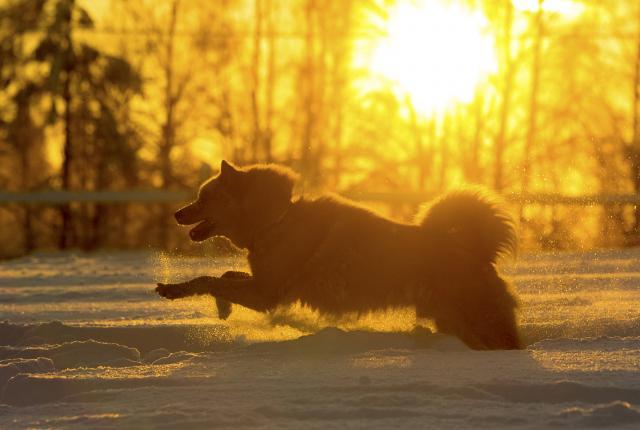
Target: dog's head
[238,203]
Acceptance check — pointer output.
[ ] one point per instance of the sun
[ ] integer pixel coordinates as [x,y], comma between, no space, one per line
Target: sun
[434,53]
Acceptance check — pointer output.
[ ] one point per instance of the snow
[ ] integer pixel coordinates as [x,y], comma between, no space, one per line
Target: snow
[86,343]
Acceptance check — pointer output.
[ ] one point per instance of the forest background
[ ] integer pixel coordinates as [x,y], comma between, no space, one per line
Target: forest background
[140,95]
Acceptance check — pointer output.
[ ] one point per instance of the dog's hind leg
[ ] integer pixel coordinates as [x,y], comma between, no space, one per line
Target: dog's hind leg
[450,322]
[243,292]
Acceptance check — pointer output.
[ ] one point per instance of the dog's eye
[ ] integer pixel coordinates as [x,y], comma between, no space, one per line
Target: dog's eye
[220,196]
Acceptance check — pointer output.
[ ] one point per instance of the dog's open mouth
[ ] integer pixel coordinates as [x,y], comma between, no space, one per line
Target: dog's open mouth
[204,230]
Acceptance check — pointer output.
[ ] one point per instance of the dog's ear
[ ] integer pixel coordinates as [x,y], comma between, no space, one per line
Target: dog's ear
[227,169]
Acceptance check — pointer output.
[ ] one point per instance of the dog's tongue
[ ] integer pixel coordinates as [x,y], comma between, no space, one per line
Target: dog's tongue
[202,231]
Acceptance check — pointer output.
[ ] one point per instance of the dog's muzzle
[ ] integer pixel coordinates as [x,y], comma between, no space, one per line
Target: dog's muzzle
[189,214]
[204,230]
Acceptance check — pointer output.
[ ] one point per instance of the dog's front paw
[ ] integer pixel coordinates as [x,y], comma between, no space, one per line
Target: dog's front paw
[172,291]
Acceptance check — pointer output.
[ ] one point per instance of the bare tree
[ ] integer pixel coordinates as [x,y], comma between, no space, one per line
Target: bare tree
[258,23]
[505,97]
[634,149]
[532,123]
[65,25]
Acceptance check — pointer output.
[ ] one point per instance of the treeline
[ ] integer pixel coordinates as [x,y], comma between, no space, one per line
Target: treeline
[135,94]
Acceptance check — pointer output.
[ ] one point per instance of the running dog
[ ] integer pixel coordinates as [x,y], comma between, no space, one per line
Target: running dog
[337,257]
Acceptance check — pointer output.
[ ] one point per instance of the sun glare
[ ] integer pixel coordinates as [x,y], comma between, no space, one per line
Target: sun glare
[436,54]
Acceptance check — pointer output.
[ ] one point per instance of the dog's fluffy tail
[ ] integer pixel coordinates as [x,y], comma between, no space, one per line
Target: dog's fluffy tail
[475,222]
[466,232]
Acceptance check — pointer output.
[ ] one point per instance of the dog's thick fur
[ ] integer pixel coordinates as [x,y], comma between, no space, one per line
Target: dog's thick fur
[338,258]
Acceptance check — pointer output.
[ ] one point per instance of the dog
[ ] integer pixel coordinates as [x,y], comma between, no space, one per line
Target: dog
[337,257]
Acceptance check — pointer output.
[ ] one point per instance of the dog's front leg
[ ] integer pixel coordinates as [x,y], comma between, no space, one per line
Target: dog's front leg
[241,291]
[224,306]
[194,287]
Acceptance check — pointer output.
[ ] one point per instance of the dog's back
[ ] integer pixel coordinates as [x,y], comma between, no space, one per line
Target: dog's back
[338,257]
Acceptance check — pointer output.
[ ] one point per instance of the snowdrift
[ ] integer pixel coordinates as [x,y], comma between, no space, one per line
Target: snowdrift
[85,343]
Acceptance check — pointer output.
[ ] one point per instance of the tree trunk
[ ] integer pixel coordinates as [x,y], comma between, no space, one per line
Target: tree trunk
[256,138]
[267,135]
[308,81]
[22,135]
[473,166]
[533,99]
[533,105]
[444,153]
[498,180]
[168,128]
[418,144]
[66,235]
[634,151]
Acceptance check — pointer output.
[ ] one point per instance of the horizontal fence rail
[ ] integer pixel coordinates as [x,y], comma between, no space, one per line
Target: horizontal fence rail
[531,198]
[59,197]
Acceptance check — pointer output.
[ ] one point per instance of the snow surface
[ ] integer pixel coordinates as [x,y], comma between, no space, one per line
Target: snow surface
[86,343]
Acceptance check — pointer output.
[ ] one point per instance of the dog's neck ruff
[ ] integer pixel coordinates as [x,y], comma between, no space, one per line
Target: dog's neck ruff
[265,229]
